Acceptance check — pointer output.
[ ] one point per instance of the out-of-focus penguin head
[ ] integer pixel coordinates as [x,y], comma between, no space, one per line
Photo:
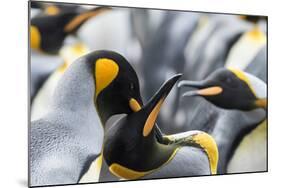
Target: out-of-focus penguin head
[230,89]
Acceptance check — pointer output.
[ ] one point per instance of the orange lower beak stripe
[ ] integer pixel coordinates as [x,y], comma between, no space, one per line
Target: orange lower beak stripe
[150,122]
[210,91]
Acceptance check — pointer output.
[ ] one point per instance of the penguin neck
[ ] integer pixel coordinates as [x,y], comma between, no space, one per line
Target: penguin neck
[140,154]
[105,115]
[108,109]
[75,90]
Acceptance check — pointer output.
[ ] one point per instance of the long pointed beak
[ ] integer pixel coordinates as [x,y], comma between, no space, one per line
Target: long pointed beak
[189,83]
[203,89]
[152,108]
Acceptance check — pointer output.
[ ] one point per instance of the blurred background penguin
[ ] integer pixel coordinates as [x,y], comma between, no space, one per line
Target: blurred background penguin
[50,25]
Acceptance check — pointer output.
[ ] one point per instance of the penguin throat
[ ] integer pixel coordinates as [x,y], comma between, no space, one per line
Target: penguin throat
[140,159]
[106,112]
[108,108]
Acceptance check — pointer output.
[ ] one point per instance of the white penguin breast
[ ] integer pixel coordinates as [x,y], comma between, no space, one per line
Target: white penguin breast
[251,154]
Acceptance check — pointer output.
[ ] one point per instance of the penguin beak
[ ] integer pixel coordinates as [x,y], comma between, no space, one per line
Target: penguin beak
[152,108]
[203,89]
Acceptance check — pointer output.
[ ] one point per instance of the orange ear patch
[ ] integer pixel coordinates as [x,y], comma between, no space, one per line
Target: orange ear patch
[105,72]
[52,10]
[150,122]
[35,37]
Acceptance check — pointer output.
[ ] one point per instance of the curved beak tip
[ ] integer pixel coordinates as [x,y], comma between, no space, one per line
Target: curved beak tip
[177,76]
[188,83]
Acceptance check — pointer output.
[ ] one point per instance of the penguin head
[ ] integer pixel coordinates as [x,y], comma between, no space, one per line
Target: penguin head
[48,30]
[116,84]
[133,136]
[230,89]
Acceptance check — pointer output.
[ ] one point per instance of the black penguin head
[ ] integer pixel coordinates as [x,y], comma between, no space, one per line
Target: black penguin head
[116,84]
[230,89]
[131,140]
[48,30]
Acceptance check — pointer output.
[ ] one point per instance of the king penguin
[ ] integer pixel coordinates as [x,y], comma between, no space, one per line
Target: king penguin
[208,47]
[132,147]
[68,138]
[234,89]
[132,151]
[48,31]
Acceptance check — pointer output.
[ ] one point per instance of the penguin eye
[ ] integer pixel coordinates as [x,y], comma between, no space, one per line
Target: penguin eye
[224,79]
[228,80]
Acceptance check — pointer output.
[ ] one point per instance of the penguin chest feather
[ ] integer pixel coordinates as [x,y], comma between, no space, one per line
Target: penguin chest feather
[251,154]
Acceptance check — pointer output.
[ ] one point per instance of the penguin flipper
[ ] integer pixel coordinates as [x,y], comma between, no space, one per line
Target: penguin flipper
[201,140]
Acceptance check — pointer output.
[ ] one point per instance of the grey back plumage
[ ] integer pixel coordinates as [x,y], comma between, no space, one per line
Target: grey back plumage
[70,135]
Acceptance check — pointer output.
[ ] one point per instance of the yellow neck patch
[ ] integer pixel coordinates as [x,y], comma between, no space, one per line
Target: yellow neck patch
[123,172]
[209,145]
[150,122]
[105,72]
[93,173]
[129,174]
[52,10]
[70,53]
[262,103]
[80,49]
[257,35]
[35,38]
[63,67]
[242,17]
[243,77]
[134,105]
